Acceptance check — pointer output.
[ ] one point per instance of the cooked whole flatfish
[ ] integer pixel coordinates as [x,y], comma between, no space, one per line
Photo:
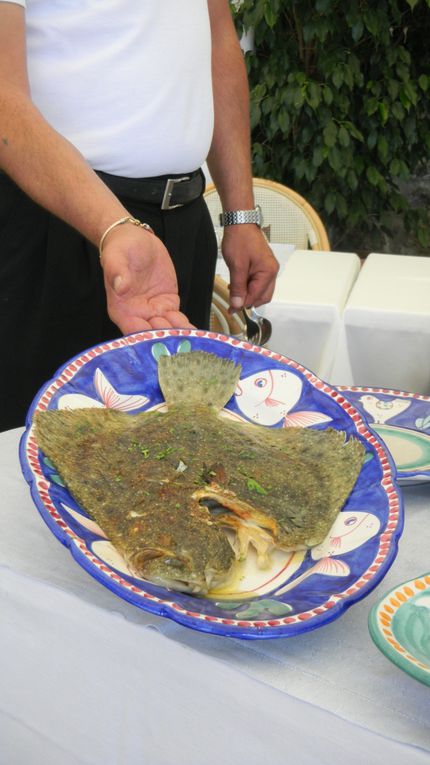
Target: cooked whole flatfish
[182,494]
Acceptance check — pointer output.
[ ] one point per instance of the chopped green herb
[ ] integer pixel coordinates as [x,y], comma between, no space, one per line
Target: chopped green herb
[253,485]
[138,446]
[161,455]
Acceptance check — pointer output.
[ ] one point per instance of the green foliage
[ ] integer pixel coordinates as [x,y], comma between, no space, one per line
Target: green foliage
[340,103]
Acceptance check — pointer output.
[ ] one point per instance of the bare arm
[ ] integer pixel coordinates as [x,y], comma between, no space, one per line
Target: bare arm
[139,276]
[252,265]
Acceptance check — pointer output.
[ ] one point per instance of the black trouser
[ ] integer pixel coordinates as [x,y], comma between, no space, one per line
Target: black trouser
[52,297]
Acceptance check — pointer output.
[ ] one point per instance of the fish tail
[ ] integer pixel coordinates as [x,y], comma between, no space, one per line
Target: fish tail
[197,378]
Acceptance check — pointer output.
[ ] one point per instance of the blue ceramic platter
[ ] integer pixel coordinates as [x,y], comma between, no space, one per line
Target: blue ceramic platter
[302,590]
[403,422]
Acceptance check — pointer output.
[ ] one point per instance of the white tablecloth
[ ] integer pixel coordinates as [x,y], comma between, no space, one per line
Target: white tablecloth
[352,326]
[88,679]
[385,336]
[306,309]
[307,306]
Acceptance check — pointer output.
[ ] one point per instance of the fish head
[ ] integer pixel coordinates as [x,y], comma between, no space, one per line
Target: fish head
[267,396]
[167,568]
[195,564]
[349,531]
[368,400]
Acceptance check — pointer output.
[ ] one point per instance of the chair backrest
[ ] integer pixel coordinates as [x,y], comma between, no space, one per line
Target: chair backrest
[287,217]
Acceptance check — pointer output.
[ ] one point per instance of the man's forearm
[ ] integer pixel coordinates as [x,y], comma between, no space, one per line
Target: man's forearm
[229,159]
[50,170]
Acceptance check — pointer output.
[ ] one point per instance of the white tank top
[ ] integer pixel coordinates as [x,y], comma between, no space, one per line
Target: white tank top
[128,83]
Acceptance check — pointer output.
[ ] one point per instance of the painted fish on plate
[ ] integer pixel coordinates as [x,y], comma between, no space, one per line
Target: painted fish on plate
[183,494]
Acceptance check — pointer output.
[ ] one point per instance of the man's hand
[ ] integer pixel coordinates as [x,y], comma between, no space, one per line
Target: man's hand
[140,282]
[253,267]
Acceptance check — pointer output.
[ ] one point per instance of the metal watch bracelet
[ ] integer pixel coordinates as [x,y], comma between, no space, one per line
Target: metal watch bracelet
[233,217]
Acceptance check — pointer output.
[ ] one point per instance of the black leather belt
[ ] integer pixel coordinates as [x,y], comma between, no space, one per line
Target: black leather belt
[165,191]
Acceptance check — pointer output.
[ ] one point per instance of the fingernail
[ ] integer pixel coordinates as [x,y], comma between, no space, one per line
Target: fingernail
[236,302]
[117,283]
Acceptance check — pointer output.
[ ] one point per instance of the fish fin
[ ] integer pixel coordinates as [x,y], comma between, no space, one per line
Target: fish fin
[114,400]
[304,419]
[197,378]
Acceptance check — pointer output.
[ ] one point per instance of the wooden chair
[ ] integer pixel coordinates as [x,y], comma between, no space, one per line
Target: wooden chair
[287,217]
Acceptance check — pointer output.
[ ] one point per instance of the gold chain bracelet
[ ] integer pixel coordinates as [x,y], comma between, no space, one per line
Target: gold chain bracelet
[120,222]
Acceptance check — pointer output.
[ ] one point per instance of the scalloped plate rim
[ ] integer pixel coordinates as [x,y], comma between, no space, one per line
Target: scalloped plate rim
[407,477]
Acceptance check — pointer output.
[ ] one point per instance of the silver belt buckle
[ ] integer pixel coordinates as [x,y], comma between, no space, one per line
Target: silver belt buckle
[165,204]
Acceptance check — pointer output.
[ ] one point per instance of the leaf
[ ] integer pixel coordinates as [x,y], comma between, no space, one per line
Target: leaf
[258,607]
[318,156]
[343,136]
[423,236]
[323,5]
[335,159]
[310,172]
[284,120]
[352,180]
[276,607]
[56,478]
[341,206]
[398,111]
[372,139]
[158,350]
[330,133]
[255,115]
[410,92]
[393,88]
[299,98]
[184,346]
[423,82]
[371,106]
[253,612]
[337,77]
[270,16]
[313,95]
[229,605]
[373,175]
[330,202]
[355,132]
[383,111]
[327,95]
[357,30]
[383,147]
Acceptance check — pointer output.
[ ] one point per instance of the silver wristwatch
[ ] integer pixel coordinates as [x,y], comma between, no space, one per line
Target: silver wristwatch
[233,217]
